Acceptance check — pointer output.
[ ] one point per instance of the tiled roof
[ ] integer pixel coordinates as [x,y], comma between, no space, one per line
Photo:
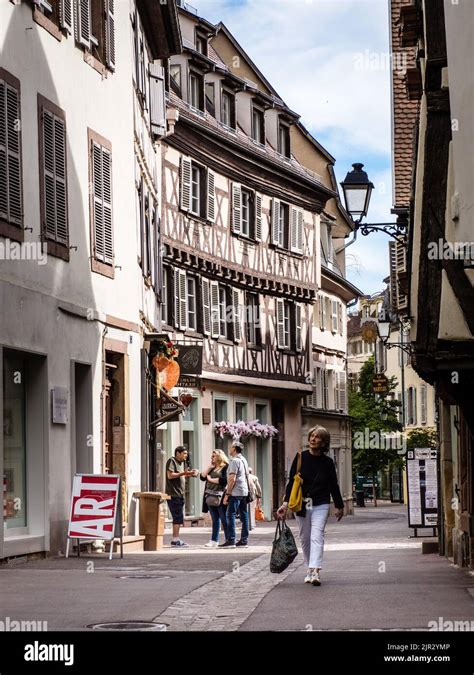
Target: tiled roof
[353,325]
[239,136]
[405,112]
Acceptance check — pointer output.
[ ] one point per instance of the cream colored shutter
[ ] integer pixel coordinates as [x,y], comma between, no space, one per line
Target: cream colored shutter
[206,306]
[280,322]
[185,183]
[236,211]
[298,328]
[235,315]
[65,14]
[215,323]
[109,7]
[83,22]
[211,196]
[300,231]
[275,222]
[258,217]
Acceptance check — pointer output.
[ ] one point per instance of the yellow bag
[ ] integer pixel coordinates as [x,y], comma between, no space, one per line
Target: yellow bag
[295,502]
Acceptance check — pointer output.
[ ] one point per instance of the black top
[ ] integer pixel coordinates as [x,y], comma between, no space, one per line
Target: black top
[222,484]
[319,480]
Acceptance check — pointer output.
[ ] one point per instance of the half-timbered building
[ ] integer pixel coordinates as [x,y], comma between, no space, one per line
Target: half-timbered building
[241,231]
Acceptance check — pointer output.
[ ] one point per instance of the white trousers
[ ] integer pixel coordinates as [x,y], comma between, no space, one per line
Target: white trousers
[311,529]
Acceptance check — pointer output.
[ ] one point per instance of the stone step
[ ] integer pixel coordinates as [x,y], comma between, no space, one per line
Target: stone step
[135,542]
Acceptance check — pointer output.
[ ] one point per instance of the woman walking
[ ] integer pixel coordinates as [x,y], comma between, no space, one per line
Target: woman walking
[319,483]
[216,480]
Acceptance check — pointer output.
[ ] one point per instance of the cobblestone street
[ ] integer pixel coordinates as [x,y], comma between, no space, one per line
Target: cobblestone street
[374,578]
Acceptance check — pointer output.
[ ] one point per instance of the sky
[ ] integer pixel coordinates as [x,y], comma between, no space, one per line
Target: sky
[329,61]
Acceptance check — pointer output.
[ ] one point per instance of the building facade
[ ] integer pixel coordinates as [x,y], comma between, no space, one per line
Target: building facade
[74,294]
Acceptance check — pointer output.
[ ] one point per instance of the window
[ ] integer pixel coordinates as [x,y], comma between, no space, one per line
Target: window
[11,194]
[197,190]
[201,43]
[100,173]
[220,415]
[228,109]
[240,411]
[53,178]
[258,125]
[222,312]
[283,225]
[175,79]
[284,140]
[191,303]
[246,212]
[253,319]
[196,91]
[287,226]
[95,30]
[58,15]
[283,316]
[165,304]
[210,98]
[411,406]
[245,215]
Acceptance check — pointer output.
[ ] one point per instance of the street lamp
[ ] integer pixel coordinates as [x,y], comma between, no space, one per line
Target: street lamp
[383,325]
[357,190]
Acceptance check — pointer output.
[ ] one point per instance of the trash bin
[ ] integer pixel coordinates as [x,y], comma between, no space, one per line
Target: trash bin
[152,516]
[360,498]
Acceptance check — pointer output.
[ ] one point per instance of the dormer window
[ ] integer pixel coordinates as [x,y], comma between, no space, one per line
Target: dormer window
[201,43]
[175,79]
[196,90]
[228,109]
[258,125]
[284,139]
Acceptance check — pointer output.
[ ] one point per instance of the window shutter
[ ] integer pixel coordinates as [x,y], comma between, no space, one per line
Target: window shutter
[293,228]
[110,33]
[258,217]
[157,99]
[298,325]
[185,183]
[275,222]
[235,315]
[98,210]
[65,14]
[300,231]
[206,306]
[54,169]
[11,202]
[183,318]
[176,317]
[215,309]
[83,22]
[327,313]
[334,322]
[211,196]
[339,318]
[108,229]
[324,375]
[3,153]
[415,417]
[424,401]
[158,255]
[280,309]
[236,213]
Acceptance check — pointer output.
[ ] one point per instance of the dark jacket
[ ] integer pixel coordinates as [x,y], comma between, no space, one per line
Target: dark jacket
[222,484]
[319,480]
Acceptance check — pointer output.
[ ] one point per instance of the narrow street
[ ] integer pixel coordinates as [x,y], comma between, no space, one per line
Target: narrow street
[374,578]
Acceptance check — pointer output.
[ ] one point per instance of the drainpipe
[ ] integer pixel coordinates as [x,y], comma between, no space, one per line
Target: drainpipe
[352,241]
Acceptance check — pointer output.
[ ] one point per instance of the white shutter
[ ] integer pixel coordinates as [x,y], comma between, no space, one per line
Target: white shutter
[298,328]
[293,228]
[110,33]
[300,231]
[339,318]
[206,306]
[258,217]
[65,14]
[275,222]
[319,388]
[335,382]
[280,323]
[236,210]
[235,315]
[343,391]
[211,196]
[325,397]
[185,183]
[215,309]
[334,323]
[176,297]
[415,416]
[156,74]
[183,317]
[83,22]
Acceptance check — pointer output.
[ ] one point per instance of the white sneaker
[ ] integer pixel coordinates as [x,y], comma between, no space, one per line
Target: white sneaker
[309,576]
[315,580]
[211,544]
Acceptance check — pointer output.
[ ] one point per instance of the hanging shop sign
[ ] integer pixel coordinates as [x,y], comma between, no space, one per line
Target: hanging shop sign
[190,359]
[95,509]
[422,479]
[380,384]
[189,382]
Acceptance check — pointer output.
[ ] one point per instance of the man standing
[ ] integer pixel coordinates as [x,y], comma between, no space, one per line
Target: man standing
[236,496]
[176,475]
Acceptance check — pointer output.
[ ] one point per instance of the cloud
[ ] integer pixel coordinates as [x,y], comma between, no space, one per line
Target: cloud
[329,61]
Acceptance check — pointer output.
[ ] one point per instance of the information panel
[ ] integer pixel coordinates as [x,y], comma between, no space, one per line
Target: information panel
[422,479]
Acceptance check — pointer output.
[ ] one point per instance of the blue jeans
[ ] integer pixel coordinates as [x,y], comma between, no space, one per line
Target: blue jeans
[237,504]
[218,515]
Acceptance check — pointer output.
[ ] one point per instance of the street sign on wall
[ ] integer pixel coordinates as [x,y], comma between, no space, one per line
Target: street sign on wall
[95,503]
[422,480]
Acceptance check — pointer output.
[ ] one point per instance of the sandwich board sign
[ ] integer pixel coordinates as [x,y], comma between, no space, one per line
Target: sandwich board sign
[95,503]
[422,479]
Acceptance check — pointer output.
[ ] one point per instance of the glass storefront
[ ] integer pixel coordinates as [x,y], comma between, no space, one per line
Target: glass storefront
[14,442]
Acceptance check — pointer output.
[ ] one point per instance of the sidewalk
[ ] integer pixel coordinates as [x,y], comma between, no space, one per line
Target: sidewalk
[374,578]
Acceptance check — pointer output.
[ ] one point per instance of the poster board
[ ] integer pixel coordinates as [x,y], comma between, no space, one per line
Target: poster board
[95,505]
[422,482]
